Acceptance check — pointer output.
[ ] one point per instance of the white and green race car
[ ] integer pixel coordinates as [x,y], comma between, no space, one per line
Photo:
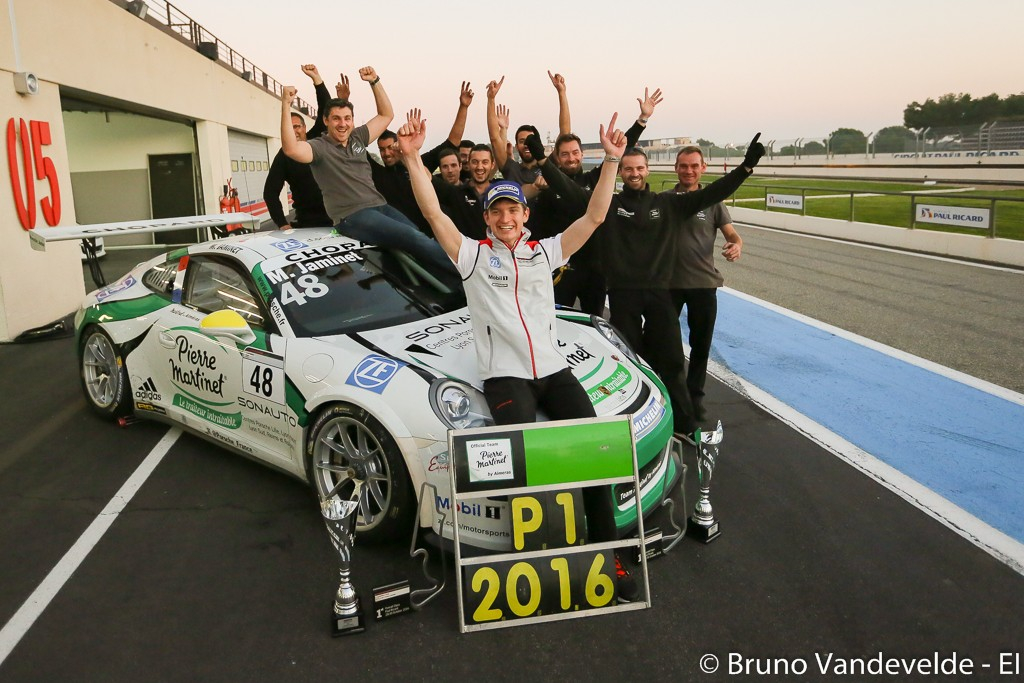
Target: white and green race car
[342,364]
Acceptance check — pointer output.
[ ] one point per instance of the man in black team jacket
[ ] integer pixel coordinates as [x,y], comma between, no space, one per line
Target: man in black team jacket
[307,200]
[582,278]
[638,244]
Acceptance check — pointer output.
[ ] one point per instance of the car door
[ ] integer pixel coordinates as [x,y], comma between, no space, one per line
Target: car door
[225,380]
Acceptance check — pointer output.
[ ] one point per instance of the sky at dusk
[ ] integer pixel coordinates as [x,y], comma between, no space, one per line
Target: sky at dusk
[789,68]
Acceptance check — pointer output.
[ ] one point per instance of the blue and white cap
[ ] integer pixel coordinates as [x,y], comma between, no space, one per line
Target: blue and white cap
[504,189]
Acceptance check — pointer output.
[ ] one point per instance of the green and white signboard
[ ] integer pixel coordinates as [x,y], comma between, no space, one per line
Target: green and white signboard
[554,570]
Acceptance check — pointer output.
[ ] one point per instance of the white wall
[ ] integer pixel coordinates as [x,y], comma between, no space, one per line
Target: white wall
[114,141]
[98,51]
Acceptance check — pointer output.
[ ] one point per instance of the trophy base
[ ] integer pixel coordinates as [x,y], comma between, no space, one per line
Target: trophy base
[347,625]
[704,534]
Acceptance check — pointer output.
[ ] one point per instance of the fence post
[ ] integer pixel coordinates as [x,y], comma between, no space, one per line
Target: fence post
[992,217]
[913,211]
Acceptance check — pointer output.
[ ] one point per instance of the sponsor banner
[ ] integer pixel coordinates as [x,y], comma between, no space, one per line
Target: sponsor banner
[490,460]
[785,201]
[962,216]
[619,379]
[229,420]
[374,373]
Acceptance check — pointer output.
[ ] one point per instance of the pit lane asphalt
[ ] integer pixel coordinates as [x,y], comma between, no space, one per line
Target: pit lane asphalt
[220,569]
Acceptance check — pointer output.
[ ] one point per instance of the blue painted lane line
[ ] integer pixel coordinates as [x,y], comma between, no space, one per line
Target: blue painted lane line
[962,442]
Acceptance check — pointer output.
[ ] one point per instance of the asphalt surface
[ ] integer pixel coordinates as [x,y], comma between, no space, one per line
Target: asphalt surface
[220,569]
[960,315]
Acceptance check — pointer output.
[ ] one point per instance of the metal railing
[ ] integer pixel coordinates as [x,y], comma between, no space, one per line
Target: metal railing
[165,16]
[1007,223]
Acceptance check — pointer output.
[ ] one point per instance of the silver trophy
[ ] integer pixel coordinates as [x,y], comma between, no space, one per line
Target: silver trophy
[703,525]
[340,518]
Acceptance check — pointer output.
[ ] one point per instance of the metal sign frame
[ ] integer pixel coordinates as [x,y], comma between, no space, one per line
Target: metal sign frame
[595,447]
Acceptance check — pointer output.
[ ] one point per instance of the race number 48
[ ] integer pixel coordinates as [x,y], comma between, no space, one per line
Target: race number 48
[263,377]
[30,138]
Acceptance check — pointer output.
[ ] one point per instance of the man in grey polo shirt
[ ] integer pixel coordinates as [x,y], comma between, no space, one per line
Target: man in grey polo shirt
[341,169]
[695,279]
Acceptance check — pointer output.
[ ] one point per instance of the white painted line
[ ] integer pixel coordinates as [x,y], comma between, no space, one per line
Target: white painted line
[1004,548]
[904,252]
[942,370]
[27,614]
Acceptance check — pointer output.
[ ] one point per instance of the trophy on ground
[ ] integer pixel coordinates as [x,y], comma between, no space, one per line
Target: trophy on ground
[703,525]
[340,518]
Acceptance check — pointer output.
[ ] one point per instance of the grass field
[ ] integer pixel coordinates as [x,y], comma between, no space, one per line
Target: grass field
[892,210]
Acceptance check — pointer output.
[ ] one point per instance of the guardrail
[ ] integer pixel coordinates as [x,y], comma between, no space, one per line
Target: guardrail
[987,215]
[170,19]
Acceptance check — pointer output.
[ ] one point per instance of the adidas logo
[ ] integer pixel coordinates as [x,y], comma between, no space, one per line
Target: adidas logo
[147,391]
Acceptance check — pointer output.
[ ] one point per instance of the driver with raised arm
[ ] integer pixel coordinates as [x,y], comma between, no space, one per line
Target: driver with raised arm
[507,278]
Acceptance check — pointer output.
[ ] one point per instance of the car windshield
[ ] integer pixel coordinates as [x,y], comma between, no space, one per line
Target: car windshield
[378,288]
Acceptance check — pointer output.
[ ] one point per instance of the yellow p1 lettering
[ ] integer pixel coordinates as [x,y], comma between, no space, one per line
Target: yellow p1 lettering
[527,516]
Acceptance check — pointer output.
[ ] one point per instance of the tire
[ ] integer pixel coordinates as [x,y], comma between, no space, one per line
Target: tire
[356,449]
[104,377]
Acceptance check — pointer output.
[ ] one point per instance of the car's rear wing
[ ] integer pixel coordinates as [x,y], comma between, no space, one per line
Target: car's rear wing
[40,237]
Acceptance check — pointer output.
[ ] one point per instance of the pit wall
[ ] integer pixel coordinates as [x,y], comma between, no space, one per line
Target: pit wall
[985,249]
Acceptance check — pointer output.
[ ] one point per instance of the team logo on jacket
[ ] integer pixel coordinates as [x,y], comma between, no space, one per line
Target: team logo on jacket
[655,214]
[374,373]
[495,262]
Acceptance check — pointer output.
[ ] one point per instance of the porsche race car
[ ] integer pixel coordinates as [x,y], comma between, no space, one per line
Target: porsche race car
[342,364]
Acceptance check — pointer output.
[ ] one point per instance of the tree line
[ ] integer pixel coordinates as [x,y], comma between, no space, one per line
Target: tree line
[949,111]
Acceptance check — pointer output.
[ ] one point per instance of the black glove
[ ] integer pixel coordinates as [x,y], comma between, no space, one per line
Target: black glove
[536,147]
[755,150]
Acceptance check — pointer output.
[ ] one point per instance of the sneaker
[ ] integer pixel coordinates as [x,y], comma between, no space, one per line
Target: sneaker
[626,587]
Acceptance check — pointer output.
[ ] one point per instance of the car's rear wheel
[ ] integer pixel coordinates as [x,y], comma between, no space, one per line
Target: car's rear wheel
[348,450]
[104,378]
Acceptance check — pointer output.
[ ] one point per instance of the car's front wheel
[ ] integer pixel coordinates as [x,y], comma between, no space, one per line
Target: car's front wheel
[352,456]
[104,378]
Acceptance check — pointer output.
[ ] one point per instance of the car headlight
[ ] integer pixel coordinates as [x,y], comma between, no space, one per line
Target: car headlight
[458,405]
[610,333]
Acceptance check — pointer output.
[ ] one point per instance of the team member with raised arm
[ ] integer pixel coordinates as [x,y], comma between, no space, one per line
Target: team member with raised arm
[639,244]
[339,164]
[526,171]
[583,277]
[695,279]
[307,199]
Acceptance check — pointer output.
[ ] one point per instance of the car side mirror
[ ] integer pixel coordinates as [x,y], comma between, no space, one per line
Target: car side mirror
[230,324]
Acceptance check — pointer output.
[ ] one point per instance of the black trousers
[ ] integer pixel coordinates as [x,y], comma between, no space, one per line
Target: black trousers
[701,313]
[647,318]
[514,400]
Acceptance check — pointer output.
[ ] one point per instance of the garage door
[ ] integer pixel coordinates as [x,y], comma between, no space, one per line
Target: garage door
[249,167]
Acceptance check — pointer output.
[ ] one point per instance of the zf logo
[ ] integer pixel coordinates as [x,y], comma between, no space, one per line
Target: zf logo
[374,373]
[147,391]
